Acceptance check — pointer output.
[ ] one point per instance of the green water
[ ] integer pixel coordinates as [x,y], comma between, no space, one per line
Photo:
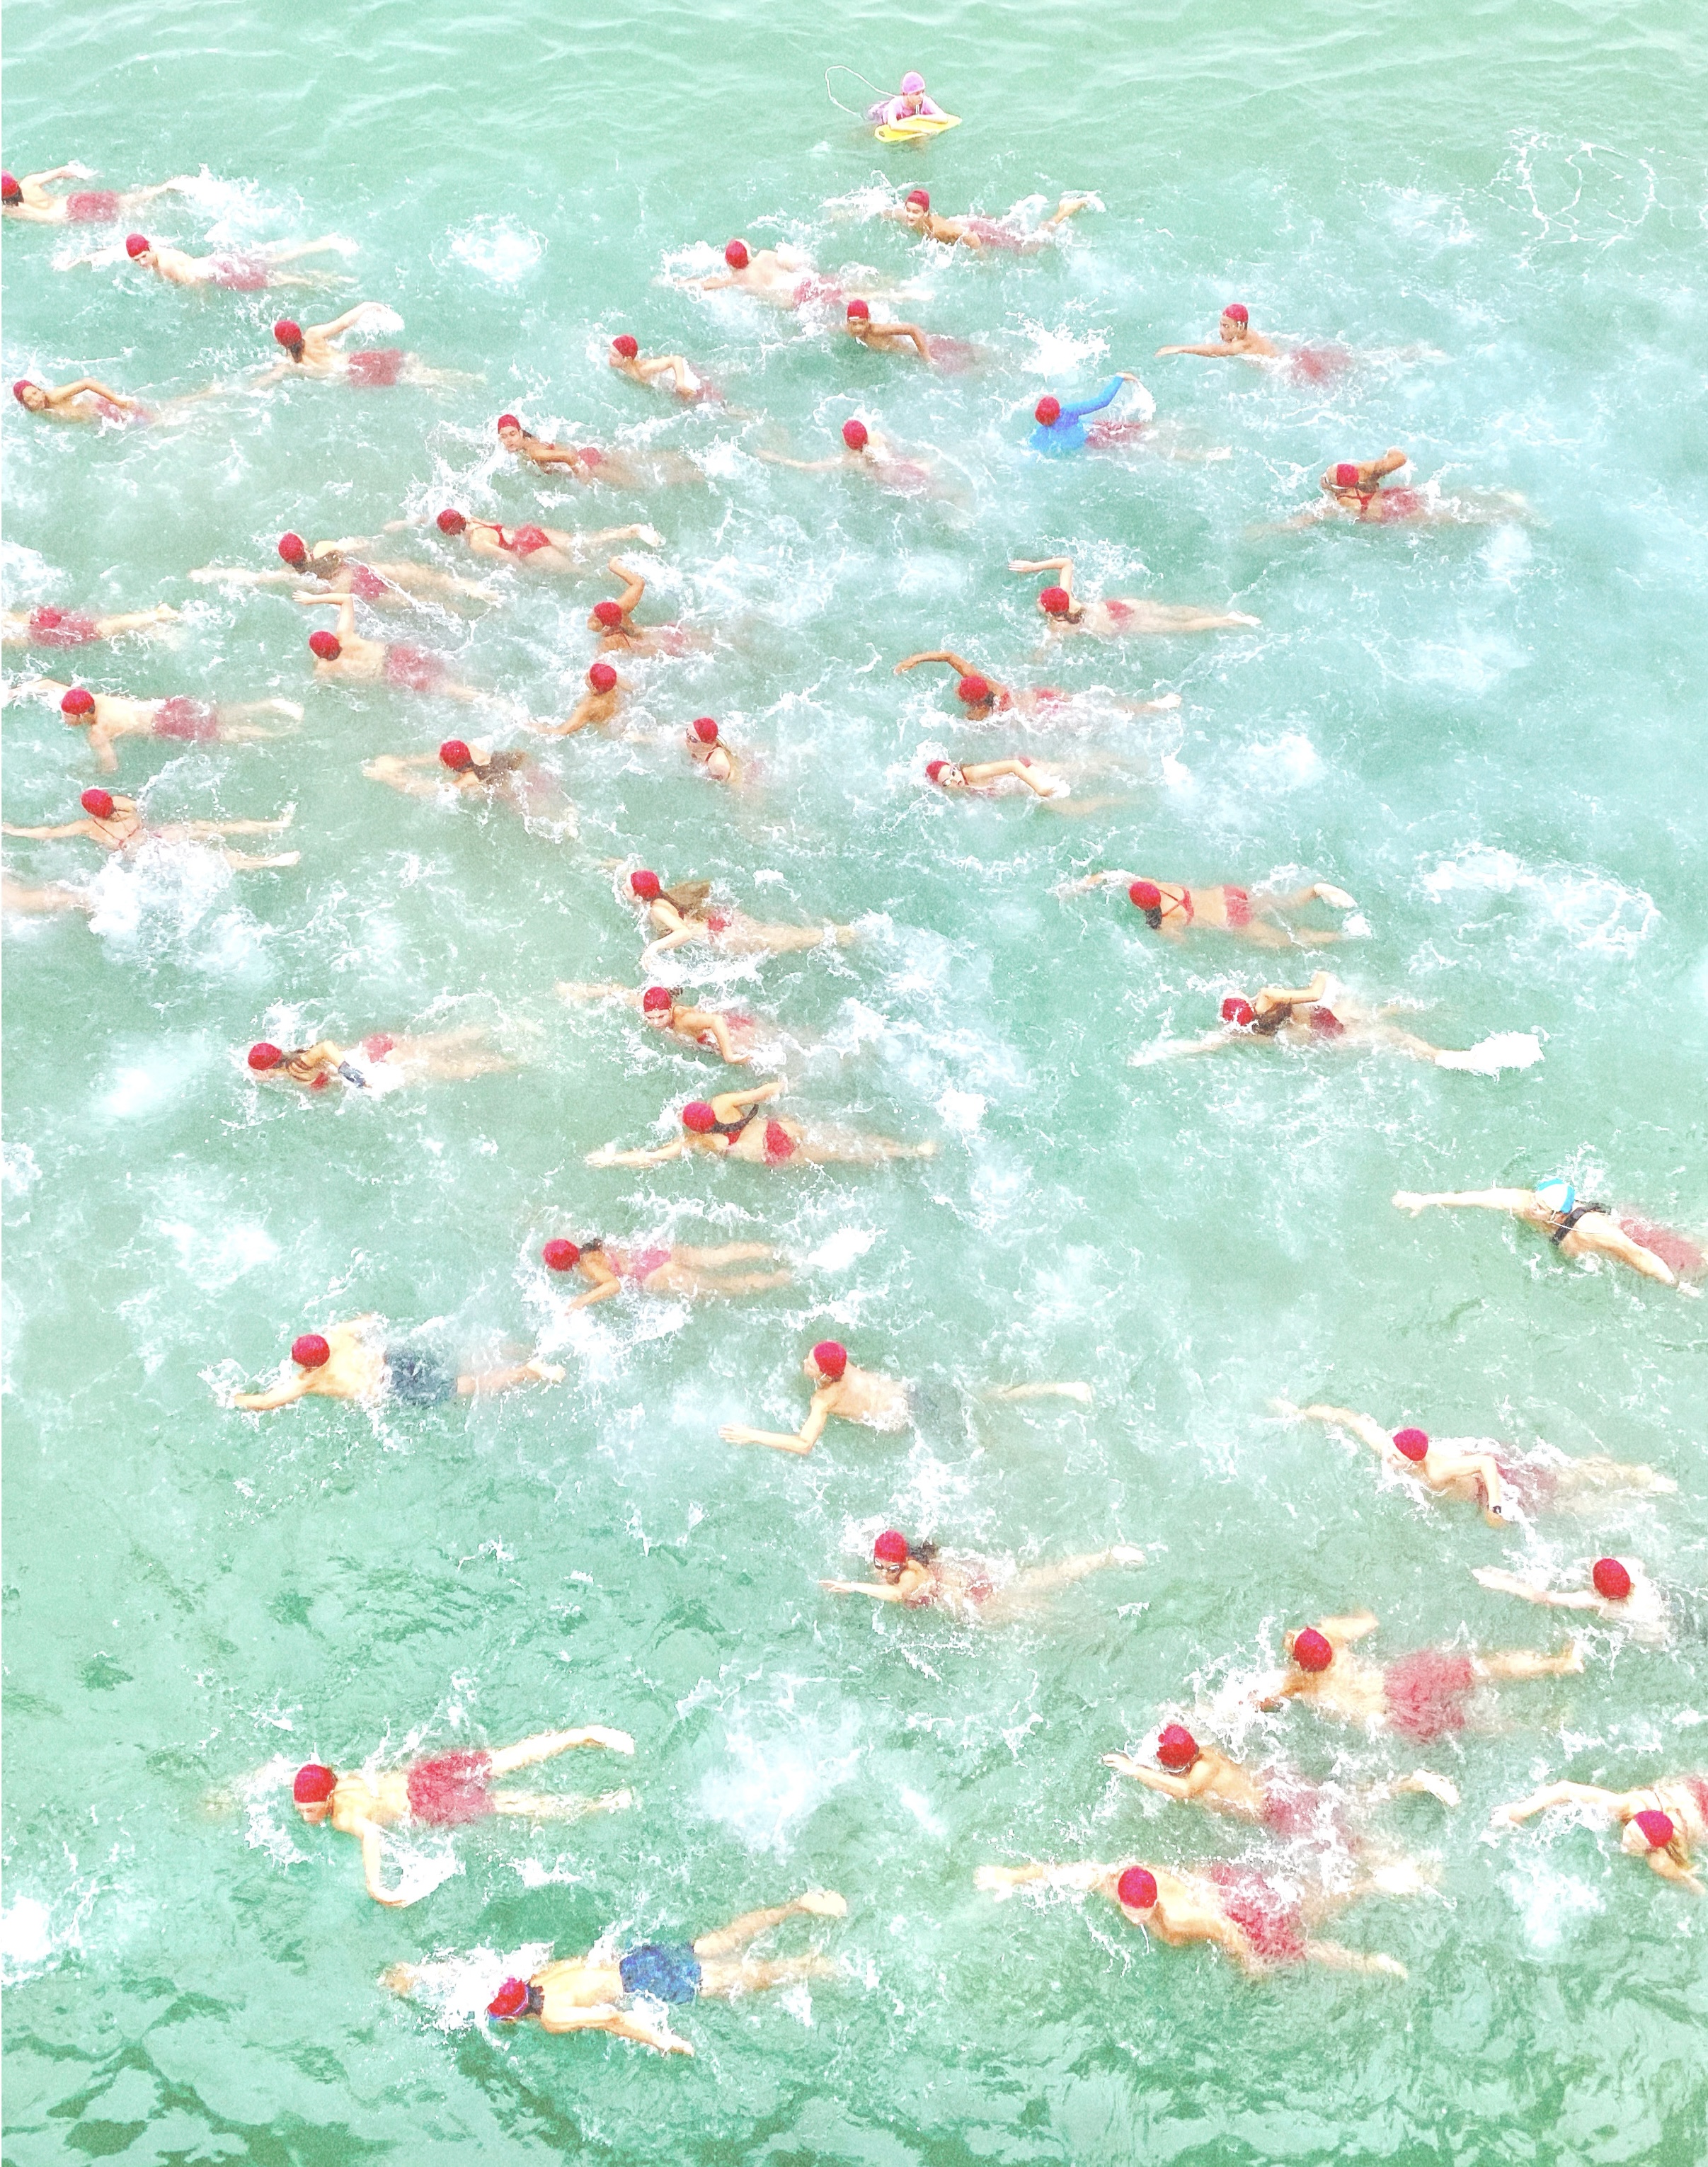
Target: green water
[1492,737]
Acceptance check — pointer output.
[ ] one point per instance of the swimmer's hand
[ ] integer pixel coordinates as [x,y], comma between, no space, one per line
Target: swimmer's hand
[548,1372]
[1407,1200]
[823,1903]
[1124,1764]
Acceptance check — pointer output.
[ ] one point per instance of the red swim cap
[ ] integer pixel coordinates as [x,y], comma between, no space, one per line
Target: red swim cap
[1048,410]
[973,691]
[1235,312]
[1657,1827]
[451,521]
[1177,1747]
[507,421]
[99,802]
[23,383]
[647,885]
[1312,1651]
[455,755]
[704,729]
[658,1000]
[560,1256]
[1237,1009]
[264,1055]
[326,645]
[286,332]
[602,677]
[309,1351]
[608,613]
[853,435]
[830,1358]
[135,244]
[699,1116]
[510,1999]
[735,254]
[626,347]
[1055,602]
[293,548]
[1611,1579]
[315,1783]
[890,1548]
[1346,475]
[77,702]
[861,309]
[935,769]
[1144,895]
[1137,1889]
[1414,1443]
[10,191]
[920,199]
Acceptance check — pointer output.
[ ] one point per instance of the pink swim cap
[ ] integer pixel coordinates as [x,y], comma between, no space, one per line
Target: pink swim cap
[861,309]
[704,729]
[647,885]
[97,803]
[853,435]
[455,755]
[1235,313]
[699,1116]
[1237,1009]
[286,332]
[830,1358]
[973,691]
[326,645]
[1611,1579]
[608,613]
[1657,1827]
[628,347]
[1048,410]
[1414,1443]
[10,191]
[1312,1651]
[890,1548]
[735,254]
[1055,602]
[658,1000]
[293,548]
[315,1783]
[507,422]
[1177,1747]
[602,677]
[560,1256]
[1346,475]
[919,200]
[451,520]
[510,1999]
[264,1055]
[77,702]
[1137,1889]
[1144,895]
[310,1350]
[23,383]
[913,83]
[135,244]
[935,768]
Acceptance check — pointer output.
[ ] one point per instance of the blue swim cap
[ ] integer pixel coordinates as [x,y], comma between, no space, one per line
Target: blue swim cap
[1557,1194]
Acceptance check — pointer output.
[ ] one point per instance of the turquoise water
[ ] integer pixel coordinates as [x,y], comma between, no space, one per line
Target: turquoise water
[1491,737]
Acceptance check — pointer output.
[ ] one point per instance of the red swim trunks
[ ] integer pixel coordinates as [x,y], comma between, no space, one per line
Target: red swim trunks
[1426,1693]
[1679,1255]
[451,1791]
[193,720]
[1237,906]
[1399,503]
[91,207]
[414,669]
[715,922]
[365,586]
[1116,432]
[57,628]
[1271,1922]
[523,541]
[378,1045]
[1294,1807]
[372,366]
[127,418]
[1320,364]
[1325,1024]
[240,274]
[780,1145]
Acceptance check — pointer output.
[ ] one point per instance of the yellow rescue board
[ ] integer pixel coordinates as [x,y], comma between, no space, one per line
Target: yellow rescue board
[910,131]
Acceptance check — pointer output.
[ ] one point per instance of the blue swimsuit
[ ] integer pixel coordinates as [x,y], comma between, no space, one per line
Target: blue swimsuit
[669,1971]
[1067,433]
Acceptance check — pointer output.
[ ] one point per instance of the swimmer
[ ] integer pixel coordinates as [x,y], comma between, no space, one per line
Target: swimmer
[986,777]
[1260,1925]
[251,273]
[472,769]
[709,752]
[589,1993]
[865,451]
[685,914]
[588,464]
[1420,1697]
[88,399]
[728,1125]
[48,626]
[670,1269]
[919,1576]
[910,103]
[22,901]
[110,716]
[1235,340]
[784,277]
[381,1063]
[115,824]
[1352,490]
[1302,1015]
[841,1389]
[1285,1804]
[1057,428]
[972,231]
[449,1791]
[881,337]
[533,549]
[984,698]
[1115,616]
[626,357]
[1167,907]
[613,621]
[355,660]
[1664,1824]
[1475,1471]
[728,1033]
[1620,1593]
[1577,1230]
[310,351]
[351,1361]
[598,707]
[327,568]
[28,200]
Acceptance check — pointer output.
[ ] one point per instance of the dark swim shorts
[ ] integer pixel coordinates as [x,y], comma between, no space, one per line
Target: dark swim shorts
[417,1379]
[669,1971]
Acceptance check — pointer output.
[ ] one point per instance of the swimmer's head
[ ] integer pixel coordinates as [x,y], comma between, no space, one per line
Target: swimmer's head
[324,646]
[289,335]
[78,704]
[293,548]
[829,1357]
[913,83]
[646,886]
[30,394]
[700,1117]
[626,345]
[264,1055]
[309,1351]
[1653,1830]
[860,312]
[135,244]
[456,755]
[1413,1444]
[920,200]
[1136,1889]
[854,435]
[1237,1010]
[658,1005]
[1612,1580]
[313,1790]
[1311,1650]
[1048,410]
[97,804]
[506,423]
[560,1256]
[1146,896]
[702,730]
[609,614]
[510,2000]
[935,770]
[1343,476]
[735,254]
[1055,602]
[1558,1196]
[602,677]
[1235,313]
[10,189]
[890,1548]
[451,520]
[974,690]
[1175,1747]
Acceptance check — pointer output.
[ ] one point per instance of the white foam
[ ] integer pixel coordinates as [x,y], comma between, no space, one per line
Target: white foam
[1289,760]
[1593,909]
[499,248]
[769,1786]
[962,1110]
[1547,1902]
[1059,353]
[1505,1049]
[841,1249]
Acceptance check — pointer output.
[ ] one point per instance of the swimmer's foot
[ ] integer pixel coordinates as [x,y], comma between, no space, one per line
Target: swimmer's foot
[1569,1662]
[1082,1393]
[1126,1554]
[1161,706]
[399,1977]
[822,1903]
[1337,897]
[613,1802]
[598,1734]
[1239,616]
[290,707]
[1424,1780]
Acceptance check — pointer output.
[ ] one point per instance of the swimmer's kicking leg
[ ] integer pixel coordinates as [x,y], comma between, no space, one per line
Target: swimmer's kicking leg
[1041,1580]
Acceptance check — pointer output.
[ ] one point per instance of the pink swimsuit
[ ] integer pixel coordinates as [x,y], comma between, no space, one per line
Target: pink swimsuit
[365,586]
[450,1791]
[1237,906]
[1271,1922]
[414,669]
[375,367]
[58,627]
[640,1264]
[1426,1693]
[91,207]
[522,541]
[1294,1807]
[193,721]
[780,1145]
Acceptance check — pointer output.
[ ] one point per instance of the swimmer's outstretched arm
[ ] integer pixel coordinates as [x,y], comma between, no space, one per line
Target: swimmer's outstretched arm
[1212,351]
[1356,1625]
[1511,1583]
[1361,1426]
[1521,1201]
[52,834]
[659,1157]
[1000,1880]
[1158,1779]
[801,1441]
[945,654]
[281,1396]
[993,770]
[372,1860]
[801,466]
[879,1591]
[1111,879]
[634,586]
[339,323]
